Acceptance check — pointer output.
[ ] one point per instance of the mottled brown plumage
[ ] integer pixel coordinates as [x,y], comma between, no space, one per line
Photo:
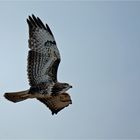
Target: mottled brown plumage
[43,62]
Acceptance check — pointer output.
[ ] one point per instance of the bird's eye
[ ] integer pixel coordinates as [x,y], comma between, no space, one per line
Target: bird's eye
[65,85]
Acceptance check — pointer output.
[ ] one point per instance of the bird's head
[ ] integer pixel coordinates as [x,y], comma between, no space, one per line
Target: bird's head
[61,87]
[66,86]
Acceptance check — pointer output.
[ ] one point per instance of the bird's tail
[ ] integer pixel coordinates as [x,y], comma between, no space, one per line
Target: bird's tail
[17,96]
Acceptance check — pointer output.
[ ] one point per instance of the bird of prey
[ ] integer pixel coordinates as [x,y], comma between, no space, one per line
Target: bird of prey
[43,62]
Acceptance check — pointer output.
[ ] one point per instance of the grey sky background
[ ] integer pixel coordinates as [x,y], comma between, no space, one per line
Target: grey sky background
[99,44]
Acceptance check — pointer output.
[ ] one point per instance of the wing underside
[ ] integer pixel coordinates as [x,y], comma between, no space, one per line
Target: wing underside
[55,104]
[43,56]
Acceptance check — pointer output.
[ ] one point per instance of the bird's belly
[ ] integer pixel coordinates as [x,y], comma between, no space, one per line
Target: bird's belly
[39,95]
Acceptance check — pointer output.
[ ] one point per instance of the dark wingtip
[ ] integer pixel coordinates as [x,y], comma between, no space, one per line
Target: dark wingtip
[41,23]
[28,22]
[34,21]
[33,15]
[53,112]
[49,30]
[56,111]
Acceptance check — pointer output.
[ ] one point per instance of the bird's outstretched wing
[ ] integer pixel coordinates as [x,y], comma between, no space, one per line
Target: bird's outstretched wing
[44,56]
[56,103]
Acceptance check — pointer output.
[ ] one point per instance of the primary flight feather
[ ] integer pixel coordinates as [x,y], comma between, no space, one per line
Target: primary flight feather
[43,62]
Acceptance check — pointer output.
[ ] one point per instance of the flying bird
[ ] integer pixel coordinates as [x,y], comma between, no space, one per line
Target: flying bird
[43,62]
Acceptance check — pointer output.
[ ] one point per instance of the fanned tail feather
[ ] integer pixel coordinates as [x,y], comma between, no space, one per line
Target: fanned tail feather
[17,96]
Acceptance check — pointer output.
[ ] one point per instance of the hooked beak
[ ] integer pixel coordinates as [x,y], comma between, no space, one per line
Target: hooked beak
[70,101]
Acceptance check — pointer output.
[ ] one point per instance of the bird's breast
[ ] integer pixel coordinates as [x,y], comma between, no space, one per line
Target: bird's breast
[43,89]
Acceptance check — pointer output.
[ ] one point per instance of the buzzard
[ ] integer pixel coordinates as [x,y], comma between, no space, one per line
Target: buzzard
[43,62]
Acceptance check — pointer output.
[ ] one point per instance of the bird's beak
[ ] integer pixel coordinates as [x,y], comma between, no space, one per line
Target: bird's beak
[70,101]
[70,86]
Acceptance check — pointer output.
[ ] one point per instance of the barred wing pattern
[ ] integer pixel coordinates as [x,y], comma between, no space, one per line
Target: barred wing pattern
[43,62]
[44,56]
[56,103]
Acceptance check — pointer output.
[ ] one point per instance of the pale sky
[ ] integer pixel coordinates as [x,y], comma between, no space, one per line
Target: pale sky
[99,44]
